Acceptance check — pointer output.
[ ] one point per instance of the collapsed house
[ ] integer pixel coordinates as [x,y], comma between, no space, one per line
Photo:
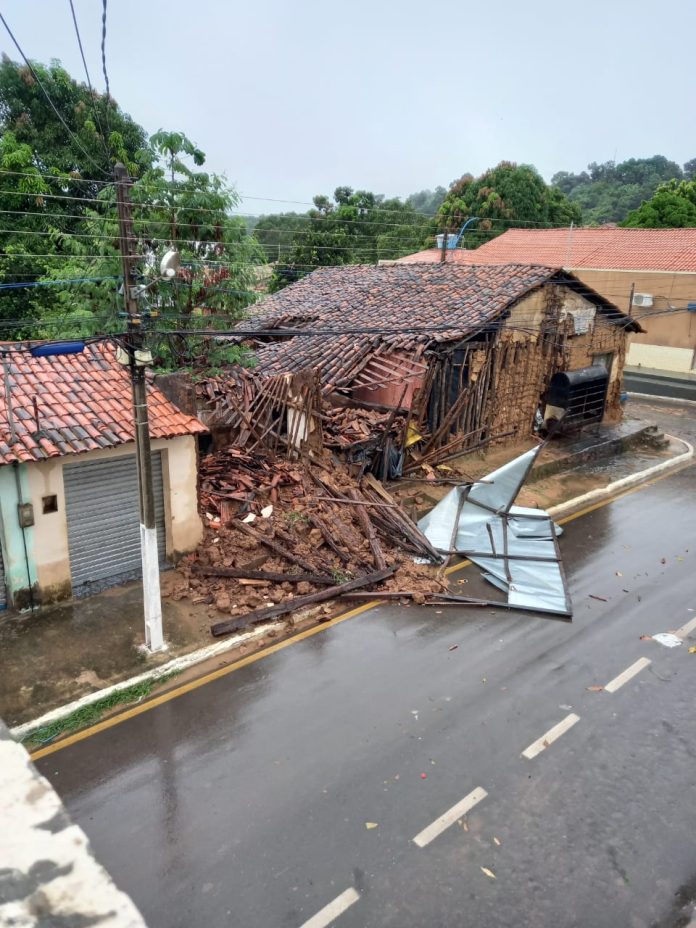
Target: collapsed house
[382,371]
[417,363]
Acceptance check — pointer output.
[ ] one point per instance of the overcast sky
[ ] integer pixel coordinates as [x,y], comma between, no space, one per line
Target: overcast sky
[290,99]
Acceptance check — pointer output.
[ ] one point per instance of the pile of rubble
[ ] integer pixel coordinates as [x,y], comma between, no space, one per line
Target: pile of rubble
[346,426]
[284,535]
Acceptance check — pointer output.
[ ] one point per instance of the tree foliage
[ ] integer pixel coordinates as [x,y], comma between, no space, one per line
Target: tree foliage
[608,192]
[672,206]
[276,233]
[506,196]
[427,202]
[58,199]
[353,227]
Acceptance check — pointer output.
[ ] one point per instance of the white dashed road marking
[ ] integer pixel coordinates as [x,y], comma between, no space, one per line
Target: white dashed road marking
[335,908]
[450,817]
[686,629]
[536,747]
[627,675]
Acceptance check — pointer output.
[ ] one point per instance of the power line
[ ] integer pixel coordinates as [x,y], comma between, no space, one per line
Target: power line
[106,73]
[48,97]
[89,80]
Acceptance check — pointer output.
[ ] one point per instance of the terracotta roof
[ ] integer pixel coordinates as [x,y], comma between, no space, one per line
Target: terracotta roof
[605,248]
[83,404]
[443,302]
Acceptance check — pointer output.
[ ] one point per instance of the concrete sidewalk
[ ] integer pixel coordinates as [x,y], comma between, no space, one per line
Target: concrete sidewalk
[65,652]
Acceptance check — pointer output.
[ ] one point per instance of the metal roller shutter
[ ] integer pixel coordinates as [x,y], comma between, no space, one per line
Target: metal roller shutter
[101,504]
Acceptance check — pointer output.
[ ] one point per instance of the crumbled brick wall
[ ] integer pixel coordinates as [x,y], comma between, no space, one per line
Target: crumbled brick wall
[538,341]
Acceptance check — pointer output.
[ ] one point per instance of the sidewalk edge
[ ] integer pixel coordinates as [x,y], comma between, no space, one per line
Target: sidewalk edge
[625,483]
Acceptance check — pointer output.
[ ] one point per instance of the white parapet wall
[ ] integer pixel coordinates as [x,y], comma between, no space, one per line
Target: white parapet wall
[660,357]
[48,873]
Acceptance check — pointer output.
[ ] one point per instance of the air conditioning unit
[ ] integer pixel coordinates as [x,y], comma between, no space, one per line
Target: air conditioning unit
[642,299]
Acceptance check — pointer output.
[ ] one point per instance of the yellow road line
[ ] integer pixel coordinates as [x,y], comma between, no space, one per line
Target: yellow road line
[274,648]
[200,681]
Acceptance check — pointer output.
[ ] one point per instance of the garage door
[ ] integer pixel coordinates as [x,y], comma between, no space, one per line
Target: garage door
[101,505]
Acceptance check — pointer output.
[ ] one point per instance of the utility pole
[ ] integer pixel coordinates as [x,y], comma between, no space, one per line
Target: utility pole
[135,341]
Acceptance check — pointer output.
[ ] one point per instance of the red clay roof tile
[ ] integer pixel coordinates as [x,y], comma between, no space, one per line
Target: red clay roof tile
[602,249]
[84,403]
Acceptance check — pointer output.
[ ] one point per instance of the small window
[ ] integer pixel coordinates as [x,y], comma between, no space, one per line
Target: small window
[49,504]
[604,360]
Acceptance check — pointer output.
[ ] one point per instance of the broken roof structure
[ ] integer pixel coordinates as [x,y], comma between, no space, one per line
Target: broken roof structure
[385,309]
[453,357]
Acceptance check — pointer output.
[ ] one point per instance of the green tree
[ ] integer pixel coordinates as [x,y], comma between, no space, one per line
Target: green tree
[607,192]
[672,206]
[50,178]
[427,202]
[58,202]
[506,196]
[174,205]
[355,227]
[276,233]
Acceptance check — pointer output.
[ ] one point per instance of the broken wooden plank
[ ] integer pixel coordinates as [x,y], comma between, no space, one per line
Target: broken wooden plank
[299,602]
[238,573]
[371,534]
[356,502]
[326,535]
[274,546]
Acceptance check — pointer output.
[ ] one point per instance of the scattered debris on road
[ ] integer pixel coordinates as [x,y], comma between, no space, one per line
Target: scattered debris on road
[667,639]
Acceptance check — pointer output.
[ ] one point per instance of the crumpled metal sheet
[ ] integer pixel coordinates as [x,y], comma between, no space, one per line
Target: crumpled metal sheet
[515,547]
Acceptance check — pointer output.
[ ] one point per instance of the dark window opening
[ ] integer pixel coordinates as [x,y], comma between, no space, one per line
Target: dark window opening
[49,504]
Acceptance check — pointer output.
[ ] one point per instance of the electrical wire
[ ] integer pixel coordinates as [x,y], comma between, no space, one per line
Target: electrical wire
[89,79]
[48,97]
[106,73]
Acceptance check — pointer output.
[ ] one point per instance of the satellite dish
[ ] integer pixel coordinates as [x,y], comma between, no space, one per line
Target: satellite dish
[170,262]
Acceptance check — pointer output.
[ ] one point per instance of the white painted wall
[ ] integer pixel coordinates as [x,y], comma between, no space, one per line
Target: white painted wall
[661,358]
[50,553]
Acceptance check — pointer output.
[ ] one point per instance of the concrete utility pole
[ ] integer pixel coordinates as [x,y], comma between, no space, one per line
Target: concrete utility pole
[135,341]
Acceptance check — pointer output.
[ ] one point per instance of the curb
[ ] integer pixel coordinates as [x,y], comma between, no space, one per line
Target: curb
[203,654]
[659,398]
[176,665]
[624,483]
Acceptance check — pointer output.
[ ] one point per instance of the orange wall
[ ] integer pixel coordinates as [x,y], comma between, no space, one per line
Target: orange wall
[676,330]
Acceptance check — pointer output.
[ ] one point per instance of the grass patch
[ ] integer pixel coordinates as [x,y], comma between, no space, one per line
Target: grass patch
[89,715]
[341,576]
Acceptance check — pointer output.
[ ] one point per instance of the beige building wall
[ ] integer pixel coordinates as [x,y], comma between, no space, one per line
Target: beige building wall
[184,529]
[669,342]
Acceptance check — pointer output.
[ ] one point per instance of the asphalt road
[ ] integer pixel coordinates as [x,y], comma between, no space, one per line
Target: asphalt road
[247,801]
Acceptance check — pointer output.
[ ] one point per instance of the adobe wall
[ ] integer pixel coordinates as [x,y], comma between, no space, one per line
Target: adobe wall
[552,329]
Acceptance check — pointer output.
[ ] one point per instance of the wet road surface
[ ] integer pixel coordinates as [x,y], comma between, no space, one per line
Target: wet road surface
[246,801]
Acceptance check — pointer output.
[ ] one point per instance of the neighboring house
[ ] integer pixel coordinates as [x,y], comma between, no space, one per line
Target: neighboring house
[657,266]
[463,351]
[69,512]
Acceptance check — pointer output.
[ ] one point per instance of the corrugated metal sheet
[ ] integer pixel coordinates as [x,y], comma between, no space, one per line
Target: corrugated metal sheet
[3,589]
[101,503]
